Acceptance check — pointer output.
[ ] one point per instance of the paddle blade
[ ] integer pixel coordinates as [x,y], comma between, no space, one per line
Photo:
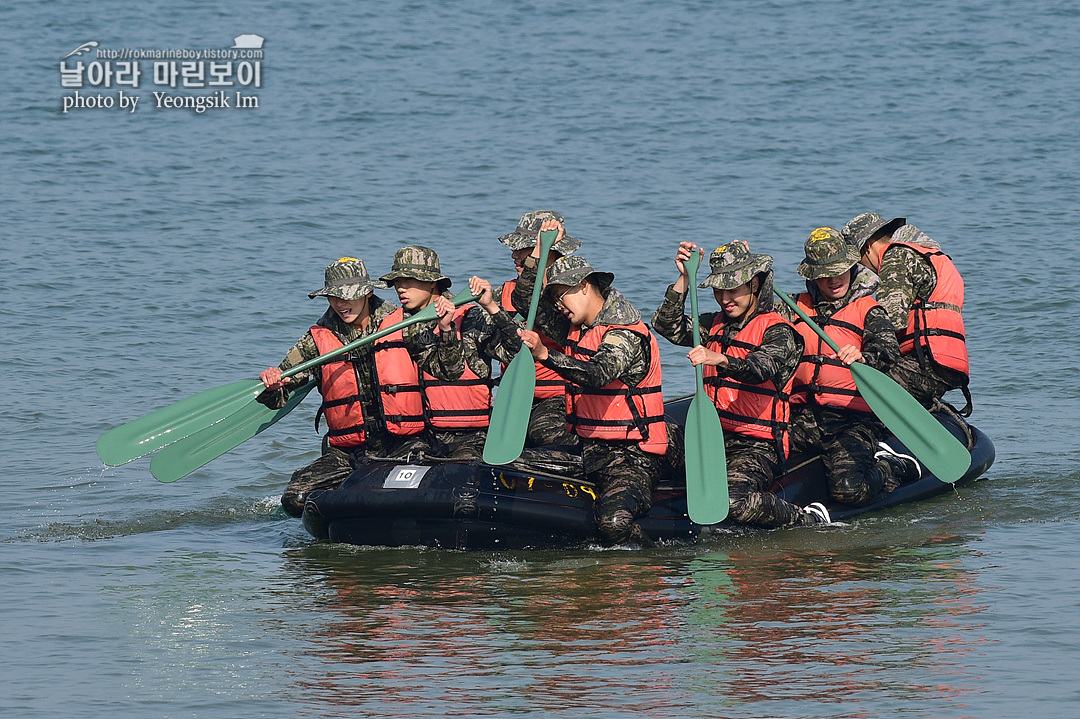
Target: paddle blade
[706,463]
[942,453]
[188,454]
[162,427]
[510,413]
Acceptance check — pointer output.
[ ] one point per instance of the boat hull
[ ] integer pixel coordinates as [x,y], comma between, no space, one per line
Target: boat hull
[478,506]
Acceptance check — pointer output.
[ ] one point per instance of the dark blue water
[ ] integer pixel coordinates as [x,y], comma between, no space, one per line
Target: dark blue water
[149,255]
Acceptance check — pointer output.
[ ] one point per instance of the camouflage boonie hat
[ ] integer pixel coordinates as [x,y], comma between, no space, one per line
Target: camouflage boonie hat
[734,264]
[347,278]
[572,270]
[861,228]
[529,224]
[418,263]
[828,254]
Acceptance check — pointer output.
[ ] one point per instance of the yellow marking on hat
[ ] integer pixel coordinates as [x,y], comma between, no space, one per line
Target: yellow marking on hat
[347,259]
[821,233]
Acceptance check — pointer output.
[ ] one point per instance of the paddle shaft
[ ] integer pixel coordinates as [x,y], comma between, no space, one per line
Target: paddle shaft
[692,265]
[425,315]
[547,239]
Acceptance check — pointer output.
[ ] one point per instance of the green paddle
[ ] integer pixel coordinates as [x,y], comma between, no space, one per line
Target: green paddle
[513,402]
[706,461]
[925,437]
[183,457]
[181,419]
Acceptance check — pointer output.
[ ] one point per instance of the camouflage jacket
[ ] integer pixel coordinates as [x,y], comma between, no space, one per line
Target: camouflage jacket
[880,349]
[904,276]
[775,359]
[622,354]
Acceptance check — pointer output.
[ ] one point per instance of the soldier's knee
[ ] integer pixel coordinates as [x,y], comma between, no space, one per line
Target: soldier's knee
[617,526]
[857,492]
[739,508]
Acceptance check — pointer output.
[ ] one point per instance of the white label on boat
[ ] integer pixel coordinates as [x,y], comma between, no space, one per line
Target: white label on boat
[405,476]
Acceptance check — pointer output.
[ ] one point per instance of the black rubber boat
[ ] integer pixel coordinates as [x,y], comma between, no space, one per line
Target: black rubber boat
[461,505]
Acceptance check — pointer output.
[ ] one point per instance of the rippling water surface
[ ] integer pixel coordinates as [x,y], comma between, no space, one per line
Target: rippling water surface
[149,255]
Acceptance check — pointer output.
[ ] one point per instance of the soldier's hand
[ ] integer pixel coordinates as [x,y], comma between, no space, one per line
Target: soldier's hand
[703,355]
[271,377]
[485,298]
[683,254]
[849,354]
[682,284]
[544,227]
[444,308]
[532,340]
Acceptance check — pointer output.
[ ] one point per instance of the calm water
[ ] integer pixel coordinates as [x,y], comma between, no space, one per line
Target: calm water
[149,255]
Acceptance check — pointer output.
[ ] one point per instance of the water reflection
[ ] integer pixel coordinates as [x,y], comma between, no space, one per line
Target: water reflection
[809,621]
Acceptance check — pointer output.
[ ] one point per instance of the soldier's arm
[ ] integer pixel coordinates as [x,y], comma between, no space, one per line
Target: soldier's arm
[499,331]
[621,355]
[549,319]
[776,357]
[506,327]
[902,272]
[302,351]
[880,348]
[482,341]
[670,320]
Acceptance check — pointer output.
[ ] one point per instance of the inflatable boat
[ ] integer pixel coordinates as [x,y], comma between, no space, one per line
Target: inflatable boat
[541,502]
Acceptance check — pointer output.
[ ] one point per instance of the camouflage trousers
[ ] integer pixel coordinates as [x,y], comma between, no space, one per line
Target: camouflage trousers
[547,424]
[326,472]
[926,384]
[335,465]
[752,465]
[624,476]
[466,445]
[846,442]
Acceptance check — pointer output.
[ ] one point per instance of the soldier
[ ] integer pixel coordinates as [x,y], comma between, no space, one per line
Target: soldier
[547,423]
[750,353]
[349,384]
[923,294]
[828,414]
[450,370]
[614,403]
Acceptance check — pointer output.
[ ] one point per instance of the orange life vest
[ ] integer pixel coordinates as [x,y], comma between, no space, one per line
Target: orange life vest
[821,375]
[936,326]
[548,382]
[759,410]
[340,390]
[617,411]
[399,382]
[463,403]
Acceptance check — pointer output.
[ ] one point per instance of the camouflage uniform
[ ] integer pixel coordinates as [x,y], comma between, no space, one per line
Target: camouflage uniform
[348,279]
[623,473]
[752,463]
[547,421]
[904,276]
[445,356]
[847,440]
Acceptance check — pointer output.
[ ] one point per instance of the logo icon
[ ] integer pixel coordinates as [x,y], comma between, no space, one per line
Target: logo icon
[247,42]
[86,46]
